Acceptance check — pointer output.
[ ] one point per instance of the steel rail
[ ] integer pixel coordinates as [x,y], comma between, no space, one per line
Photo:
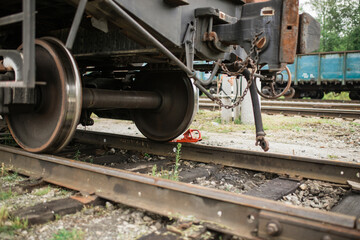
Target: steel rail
[340,110]
[292,166]
[325,105]
[303,104]
[236,214]
[317,112]
[313,100]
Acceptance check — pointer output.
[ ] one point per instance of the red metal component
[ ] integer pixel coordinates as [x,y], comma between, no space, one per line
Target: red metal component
[190,136]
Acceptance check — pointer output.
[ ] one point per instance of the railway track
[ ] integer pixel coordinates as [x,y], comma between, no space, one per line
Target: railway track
[251,215]
[336,109]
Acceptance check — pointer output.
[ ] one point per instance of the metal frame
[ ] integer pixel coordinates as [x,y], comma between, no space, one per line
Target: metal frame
[75,25]
[23,63]
[25,69]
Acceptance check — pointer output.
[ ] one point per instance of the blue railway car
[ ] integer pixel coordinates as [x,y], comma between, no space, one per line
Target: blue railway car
[318,73]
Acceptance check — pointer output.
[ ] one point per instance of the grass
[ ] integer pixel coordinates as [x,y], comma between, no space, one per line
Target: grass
[335,96]
[74,234]
[8,224]
[43,191]
[77,155]
[332,157]
[4,195]
[174,173]
[7,176]
[208,121]
[8,140]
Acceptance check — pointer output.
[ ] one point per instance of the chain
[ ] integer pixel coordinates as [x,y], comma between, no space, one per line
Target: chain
[252,63]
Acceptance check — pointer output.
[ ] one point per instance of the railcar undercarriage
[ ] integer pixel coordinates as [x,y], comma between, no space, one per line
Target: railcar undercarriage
[61,61]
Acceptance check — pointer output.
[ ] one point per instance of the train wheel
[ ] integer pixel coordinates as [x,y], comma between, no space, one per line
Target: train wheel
[177,109]
[290,94]
[319,95]
[354,95]
[51,125]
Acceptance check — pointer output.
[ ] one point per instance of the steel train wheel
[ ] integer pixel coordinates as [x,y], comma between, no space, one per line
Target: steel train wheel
[177,109]
[51,125]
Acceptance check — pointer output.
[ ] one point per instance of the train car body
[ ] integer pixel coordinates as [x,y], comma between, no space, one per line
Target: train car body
[318,73]
[62,60]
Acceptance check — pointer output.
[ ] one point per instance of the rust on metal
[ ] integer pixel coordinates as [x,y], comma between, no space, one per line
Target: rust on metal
[289,31]
[84,199]
[227,212]
[261,43]
[292,166]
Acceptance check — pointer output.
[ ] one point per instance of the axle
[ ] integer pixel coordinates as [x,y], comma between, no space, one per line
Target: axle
[102,98]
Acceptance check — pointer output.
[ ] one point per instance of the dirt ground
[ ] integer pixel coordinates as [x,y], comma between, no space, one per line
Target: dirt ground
[333,139]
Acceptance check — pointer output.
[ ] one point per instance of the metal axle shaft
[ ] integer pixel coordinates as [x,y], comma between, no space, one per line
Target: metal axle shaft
[103,98]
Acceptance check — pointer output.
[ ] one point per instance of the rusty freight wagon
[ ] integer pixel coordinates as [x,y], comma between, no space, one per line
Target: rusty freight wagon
[62,60]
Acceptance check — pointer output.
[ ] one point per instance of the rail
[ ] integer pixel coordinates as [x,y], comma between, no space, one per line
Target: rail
[337,109]
[291,166]
[241,215]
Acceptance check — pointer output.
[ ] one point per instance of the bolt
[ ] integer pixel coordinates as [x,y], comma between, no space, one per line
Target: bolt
[273,229]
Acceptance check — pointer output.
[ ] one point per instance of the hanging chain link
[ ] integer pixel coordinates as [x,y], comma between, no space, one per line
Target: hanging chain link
[248,63]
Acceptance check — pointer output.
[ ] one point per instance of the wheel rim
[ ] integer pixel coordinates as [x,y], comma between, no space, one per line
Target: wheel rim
[51,126]
[177,110]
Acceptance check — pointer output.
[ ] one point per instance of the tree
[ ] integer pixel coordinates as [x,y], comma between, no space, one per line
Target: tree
[340,22]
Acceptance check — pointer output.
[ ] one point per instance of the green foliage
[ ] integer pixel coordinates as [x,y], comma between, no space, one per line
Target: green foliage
[8,176]
[42,192]
[74,234]
[332,157]
[335,96]
[217,120]
[77,155]
[7,194]
[340,24]
[237,121]
[9,224]
[153,170]
[177,162]
[174,173]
